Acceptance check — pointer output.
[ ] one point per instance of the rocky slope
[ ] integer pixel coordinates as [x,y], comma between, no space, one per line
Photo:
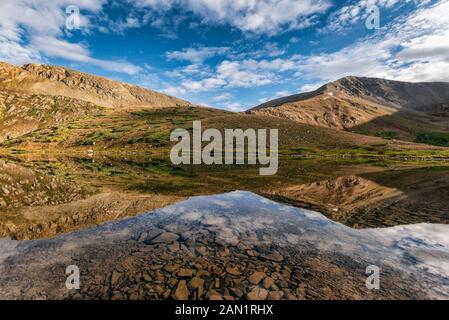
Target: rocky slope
[21,113]
[374,199]
[368,106]
[59,81]
[425,96]
[46,106]
[36,204]
[36,97]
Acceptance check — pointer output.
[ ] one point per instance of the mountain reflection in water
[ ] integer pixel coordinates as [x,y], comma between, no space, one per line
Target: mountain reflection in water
[230,246]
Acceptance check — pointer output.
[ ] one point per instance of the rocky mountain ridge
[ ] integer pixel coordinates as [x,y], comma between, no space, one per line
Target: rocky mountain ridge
[55,80]
[369,106]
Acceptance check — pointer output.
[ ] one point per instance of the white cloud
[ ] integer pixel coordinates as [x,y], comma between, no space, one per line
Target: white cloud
[294,40]
[311,87]
[237,71]
[77,52]
[414,48]
[360,10]
[31,30]
[365,58]
[279,94]
[222,97]
[241,75]
[234,107]
[270,49]
[191,70]
[196,55]
[173,90]
[261,16]
[247,73]
[411,48]
[234,74]
[121,25]
[13,52]
[283,93]
[228,74]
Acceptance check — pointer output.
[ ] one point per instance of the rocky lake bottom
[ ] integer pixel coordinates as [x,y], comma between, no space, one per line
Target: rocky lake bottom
[236,245]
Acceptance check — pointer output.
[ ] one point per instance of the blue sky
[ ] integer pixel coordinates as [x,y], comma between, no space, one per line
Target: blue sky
[231,54]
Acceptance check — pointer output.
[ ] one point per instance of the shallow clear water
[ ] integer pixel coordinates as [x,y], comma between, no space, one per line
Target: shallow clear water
[223,240]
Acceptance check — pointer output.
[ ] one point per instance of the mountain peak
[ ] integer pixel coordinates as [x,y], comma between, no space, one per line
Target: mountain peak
[55,80]
[397,94]
[351,102]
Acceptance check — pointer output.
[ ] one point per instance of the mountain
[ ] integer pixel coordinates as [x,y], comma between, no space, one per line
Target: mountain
[38,96]
[48,107]
[296,134]
[386,108]
[21,113]
[373,199]
[60,81]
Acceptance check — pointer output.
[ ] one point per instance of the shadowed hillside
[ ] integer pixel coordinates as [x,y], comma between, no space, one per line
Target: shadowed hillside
[385,108]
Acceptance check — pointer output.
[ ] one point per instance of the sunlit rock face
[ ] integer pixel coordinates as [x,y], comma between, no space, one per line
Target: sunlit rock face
[231,246]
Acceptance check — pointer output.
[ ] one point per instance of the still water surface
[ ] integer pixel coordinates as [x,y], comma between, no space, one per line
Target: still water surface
[230,246]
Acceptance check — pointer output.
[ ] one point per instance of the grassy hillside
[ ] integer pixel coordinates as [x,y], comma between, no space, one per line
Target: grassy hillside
[53,109]
[376,107]
[134,129]
[22,113]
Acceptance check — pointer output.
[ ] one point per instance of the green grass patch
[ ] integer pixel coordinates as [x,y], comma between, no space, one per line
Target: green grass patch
[158,139]
[434,138]
[389,135]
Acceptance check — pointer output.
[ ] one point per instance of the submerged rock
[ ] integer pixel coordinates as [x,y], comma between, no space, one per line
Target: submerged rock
[166,237]
[182,292]
[258,294]
[256,277]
